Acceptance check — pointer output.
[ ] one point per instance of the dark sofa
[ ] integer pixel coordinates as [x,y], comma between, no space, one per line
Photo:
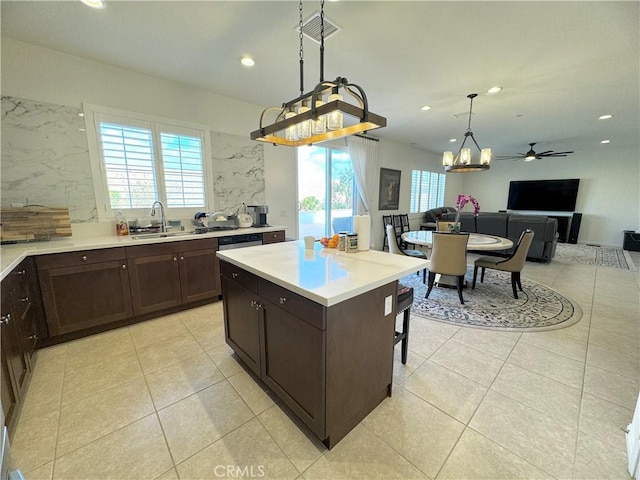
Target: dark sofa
[509,225]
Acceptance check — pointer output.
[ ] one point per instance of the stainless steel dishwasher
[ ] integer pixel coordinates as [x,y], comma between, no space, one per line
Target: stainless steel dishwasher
[239,241]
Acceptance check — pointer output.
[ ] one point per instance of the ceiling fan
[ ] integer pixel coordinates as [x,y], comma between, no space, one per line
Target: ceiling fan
[533,155]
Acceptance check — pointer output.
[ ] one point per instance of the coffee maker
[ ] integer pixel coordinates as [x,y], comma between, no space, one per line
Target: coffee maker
[259,214]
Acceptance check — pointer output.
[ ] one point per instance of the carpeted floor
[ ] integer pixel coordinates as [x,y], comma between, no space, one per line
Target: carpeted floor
[491,305]
[592,255]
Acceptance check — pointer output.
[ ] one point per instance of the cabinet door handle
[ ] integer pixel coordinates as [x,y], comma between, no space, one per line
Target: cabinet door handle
[181,258]
[283,300]
[253,303]
[4,320]
[258,306]
[175,259]
[84,258]
[33,337]
[25,299]
[124,267]
[234,275]
[21,272]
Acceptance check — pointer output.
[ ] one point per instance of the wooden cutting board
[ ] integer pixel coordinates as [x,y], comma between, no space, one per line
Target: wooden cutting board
[34,223]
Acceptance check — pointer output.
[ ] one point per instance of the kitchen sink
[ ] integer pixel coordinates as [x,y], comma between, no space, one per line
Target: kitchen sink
[142,236]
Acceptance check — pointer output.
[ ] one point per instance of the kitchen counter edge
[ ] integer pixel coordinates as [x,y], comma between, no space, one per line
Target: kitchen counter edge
[12,254]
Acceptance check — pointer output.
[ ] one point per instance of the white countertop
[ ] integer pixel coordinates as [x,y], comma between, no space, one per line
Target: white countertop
[11,255]
[324,275]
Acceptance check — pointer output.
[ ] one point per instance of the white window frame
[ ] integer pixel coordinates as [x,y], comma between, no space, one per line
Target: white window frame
[439,196]
[94,114]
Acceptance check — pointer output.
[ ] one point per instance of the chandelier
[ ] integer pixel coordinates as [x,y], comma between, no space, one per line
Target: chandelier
[461,163]
[321,114]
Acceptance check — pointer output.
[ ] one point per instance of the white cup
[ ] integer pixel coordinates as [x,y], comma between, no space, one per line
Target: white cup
[309,241]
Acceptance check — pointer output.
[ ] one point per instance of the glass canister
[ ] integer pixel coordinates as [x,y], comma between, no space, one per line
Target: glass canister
[351,243]
[342,241]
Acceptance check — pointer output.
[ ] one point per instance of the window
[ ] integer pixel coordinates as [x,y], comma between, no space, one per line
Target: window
[427,190]
[325,191]
[141,159]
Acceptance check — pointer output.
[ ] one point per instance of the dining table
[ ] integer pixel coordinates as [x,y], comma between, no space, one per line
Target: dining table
[477,242]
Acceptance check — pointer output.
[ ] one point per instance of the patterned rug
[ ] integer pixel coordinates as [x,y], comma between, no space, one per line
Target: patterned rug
[591,255]
[492,306]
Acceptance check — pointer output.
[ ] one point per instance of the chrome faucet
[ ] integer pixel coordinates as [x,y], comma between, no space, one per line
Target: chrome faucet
[163,218]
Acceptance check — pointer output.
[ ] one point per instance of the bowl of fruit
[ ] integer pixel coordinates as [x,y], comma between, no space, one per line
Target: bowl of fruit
[329,242]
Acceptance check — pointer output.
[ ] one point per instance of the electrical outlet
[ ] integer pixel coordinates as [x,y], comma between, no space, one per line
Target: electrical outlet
[388,306]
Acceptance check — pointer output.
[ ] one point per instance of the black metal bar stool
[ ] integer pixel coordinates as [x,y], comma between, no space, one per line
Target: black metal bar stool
[403,305]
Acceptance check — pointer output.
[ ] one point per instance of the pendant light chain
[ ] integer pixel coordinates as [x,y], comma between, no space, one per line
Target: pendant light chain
[321,41]
[301,50]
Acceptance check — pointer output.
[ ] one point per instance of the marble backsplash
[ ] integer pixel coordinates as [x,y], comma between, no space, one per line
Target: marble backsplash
[45,161]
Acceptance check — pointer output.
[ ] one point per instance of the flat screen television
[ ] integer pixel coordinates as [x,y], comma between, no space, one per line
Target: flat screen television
[543,195]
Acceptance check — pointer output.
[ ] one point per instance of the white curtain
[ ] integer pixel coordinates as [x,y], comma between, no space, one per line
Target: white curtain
[364,157]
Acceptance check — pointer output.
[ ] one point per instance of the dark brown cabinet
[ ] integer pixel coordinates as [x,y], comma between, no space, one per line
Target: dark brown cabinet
[84,289]
[273,237]
[330,365]
[284,350]
[171,274]
[21,326]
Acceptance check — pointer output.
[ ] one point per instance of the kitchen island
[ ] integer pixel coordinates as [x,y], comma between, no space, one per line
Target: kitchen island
[316,326]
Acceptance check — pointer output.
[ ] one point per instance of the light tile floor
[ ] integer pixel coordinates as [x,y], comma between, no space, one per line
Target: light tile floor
[167,399]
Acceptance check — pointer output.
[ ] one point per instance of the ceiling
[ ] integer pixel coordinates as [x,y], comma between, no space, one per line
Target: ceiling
[561,64]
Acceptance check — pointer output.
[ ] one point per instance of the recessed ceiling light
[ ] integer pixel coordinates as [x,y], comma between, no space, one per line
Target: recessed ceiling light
[605,141]
[81,114]
[425,108]
[247,61]
[493,90]
[605,117]
[94,3]
[451,140]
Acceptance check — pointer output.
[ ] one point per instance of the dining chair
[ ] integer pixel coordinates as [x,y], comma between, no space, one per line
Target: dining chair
[395,249]
[448,257]
[403,219]
[386,220]
[514,264]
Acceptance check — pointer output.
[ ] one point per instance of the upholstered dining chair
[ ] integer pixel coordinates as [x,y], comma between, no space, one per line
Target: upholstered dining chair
[514,264]
[395,249]
[448,257]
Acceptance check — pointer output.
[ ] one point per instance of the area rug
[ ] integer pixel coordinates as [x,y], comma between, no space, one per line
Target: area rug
[591,255]
[491,304]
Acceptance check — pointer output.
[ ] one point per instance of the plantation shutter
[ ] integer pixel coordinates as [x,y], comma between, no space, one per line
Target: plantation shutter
[183,170]
[129,166]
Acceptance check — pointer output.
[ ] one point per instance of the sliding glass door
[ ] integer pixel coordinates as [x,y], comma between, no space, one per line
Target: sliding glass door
[325,191]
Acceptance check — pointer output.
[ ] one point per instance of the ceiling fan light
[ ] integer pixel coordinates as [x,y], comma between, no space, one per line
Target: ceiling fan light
[529,158]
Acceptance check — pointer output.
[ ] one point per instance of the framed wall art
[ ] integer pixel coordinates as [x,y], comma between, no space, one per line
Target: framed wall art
[389,196]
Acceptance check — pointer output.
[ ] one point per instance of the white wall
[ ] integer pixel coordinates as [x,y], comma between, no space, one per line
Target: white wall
[610,178]
[608,196]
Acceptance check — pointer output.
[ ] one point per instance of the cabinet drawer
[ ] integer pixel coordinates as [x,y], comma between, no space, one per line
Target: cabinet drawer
[82,257]
[200,244]
[303,308]
[240,276]
[151,249]
[273,237]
